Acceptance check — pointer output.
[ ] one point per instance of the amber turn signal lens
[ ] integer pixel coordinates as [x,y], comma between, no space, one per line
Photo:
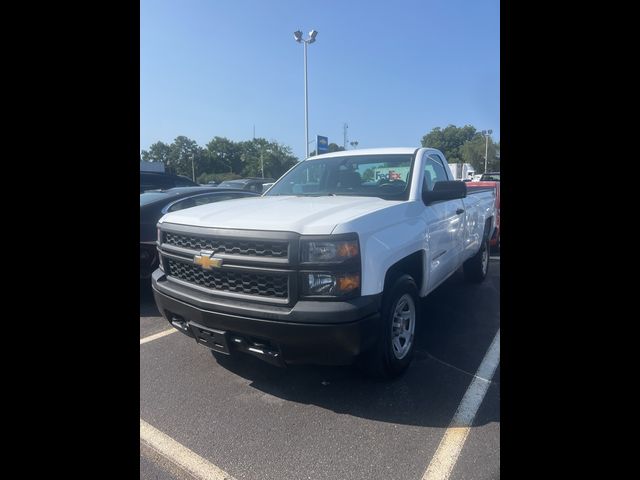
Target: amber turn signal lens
[348,249]
[348,283]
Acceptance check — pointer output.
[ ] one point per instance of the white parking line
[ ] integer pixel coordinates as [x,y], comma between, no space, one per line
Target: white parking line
[451,444]
[180,455]
[155,336]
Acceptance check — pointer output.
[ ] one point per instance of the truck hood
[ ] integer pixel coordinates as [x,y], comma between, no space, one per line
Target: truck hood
[304,215]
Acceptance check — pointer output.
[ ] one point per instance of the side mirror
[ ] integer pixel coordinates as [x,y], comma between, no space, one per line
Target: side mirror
[446,190]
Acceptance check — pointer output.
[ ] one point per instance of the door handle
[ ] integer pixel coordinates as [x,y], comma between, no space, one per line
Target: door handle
[459,211]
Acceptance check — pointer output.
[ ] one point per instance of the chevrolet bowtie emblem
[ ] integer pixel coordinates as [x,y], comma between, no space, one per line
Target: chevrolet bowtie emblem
[206,260]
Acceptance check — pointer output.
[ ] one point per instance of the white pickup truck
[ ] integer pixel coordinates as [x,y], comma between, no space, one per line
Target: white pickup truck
[328,265]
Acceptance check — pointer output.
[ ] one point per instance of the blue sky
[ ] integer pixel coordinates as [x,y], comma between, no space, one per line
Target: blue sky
[392,70]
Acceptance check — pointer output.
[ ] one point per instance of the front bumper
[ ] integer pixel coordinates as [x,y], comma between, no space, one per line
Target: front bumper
[311,332]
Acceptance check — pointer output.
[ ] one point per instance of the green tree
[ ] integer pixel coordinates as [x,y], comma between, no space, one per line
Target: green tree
[222,159]
[158,152]
[254,153]
[449,140]
[176,157]
[281,160]
[183,153]
[224,155]
[473,152]
[275,157]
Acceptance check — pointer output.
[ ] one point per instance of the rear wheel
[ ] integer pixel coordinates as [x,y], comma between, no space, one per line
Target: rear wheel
[393,351]
[477,267]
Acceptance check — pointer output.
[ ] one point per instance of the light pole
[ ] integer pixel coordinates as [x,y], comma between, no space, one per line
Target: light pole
[261,163]
[312,38]
[193,165]
[486,134]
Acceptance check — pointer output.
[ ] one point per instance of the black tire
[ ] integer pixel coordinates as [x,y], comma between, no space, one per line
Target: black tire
[381,362]
[477,267]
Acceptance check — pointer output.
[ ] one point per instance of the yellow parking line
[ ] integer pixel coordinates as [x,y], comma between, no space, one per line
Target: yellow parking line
[451,444]
[155,336]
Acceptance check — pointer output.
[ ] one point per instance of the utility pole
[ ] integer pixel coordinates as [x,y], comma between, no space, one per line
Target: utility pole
[344,145]
[486,134]
[193,165]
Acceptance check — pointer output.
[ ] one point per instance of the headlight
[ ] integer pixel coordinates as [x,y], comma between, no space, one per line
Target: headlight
[330,284]
[337,257]
[322,251]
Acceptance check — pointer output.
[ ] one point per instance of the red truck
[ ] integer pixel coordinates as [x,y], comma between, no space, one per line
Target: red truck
[495,237]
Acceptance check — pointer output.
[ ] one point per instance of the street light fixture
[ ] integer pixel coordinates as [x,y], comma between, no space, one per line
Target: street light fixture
[312,38]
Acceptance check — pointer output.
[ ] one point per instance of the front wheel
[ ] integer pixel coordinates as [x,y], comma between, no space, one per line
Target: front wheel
[393,351]
[476,268]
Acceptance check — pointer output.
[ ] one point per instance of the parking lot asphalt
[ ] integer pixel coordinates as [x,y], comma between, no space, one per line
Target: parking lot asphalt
[256,421]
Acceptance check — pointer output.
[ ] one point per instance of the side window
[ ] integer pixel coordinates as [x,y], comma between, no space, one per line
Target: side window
[180,182]
[256,187]
[204,199]
[182,204]
[164,183]
[433,172]
[145,183]
[199,200]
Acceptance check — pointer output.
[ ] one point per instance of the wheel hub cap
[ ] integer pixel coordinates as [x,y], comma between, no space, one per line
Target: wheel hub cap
[403,326]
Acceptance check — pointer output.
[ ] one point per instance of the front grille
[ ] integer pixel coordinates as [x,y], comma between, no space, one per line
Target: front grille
[261,284]
[229,246]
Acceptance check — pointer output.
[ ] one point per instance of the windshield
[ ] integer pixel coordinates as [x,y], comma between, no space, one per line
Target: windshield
[232,183]
[384,176]
[148,197]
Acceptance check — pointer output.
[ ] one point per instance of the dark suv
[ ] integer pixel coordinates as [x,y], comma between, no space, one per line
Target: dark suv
[163,181]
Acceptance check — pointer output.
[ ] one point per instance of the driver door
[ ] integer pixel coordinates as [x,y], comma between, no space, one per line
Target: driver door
[445,223]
